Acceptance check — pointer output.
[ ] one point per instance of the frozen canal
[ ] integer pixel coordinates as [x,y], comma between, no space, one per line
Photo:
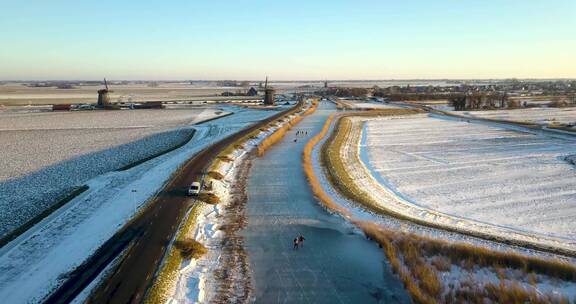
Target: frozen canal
[336,265]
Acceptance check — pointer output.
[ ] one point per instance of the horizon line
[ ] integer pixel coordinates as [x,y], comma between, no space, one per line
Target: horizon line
[303,80]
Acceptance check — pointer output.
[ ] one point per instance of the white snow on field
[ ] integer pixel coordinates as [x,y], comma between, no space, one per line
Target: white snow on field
[477,172]
[359,212]
[457,276]
[36,262]
[542,116]
[368,105]
[46,155]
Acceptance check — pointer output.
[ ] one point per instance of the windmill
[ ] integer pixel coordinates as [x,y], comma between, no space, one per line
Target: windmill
[268,94]
[103,97]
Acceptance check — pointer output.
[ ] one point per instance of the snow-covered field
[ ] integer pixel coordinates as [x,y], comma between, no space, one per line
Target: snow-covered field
[367,105]
[46,155]
[479,173]
[37,261]
[461,275]
[542,116]
[19,94]
[372,106]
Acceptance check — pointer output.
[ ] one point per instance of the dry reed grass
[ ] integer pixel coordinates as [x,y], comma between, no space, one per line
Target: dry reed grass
[209,198]
[441,263]
[163,283]
[225,158]
[216,175]
[406,251]
[190,248]
[315,185]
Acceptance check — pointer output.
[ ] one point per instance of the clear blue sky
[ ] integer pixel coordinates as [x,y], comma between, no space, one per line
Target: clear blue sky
[291,39]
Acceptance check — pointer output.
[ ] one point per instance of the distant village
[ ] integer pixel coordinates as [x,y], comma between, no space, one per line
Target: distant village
[463,96]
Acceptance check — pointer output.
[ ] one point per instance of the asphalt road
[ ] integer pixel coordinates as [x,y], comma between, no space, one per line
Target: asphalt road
[145,239]
[336,265]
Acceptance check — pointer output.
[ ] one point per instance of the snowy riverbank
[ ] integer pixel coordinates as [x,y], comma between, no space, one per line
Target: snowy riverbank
[456,265]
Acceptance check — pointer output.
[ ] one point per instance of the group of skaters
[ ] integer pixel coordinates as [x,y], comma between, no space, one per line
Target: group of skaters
[300,133]
[299,242]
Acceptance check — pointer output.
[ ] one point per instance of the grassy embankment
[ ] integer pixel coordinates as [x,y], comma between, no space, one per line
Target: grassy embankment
[309,170]
[44,214]
[419,261]
[183,142]
[185,247]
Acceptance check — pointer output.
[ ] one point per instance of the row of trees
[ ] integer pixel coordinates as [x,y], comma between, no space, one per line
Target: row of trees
[412,96]
[477,101]
[233,83]
[460,100]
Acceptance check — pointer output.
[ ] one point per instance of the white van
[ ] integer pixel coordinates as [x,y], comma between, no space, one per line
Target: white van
[194,189]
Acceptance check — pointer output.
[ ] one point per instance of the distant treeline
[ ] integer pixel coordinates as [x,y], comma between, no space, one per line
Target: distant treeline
[416,96]
[232,83]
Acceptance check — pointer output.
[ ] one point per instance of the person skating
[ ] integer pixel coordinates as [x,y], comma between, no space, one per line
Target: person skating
[296,243]
[301,240]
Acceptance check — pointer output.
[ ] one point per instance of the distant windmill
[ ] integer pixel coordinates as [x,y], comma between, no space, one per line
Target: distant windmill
[103,97]
[268,94]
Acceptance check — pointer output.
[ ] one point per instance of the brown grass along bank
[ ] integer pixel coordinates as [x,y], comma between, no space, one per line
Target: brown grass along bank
[209,198]
[309,170]
[190,248]
[183,248]
[215,175]
[416,260]
[419,261]
[337,171]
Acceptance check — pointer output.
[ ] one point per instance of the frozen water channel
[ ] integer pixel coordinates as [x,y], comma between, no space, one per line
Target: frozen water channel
[336,264]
